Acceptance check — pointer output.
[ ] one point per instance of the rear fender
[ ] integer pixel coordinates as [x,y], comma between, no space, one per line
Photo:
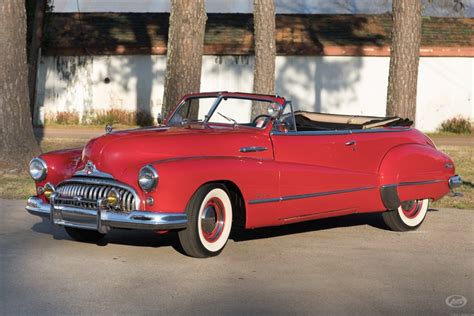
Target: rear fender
[414,171]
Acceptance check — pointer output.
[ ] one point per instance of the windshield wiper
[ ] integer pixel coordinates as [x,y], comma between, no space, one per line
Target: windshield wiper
[228,118]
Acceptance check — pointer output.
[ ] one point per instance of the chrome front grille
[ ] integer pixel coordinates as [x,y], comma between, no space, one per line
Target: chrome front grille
[85,192]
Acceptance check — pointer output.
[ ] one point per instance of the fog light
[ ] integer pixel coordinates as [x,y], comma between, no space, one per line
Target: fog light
[113,198]
[48,190]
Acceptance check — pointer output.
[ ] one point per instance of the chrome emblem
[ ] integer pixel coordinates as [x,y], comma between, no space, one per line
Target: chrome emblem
[89,168]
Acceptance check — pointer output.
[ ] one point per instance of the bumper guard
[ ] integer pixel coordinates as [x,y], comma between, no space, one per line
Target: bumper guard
[454,182]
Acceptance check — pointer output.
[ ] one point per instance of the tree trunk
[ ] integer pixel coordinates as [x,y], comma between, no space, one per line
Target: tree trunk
[36,41]
[18,144]
[185,48]
[404,58]
[265,49]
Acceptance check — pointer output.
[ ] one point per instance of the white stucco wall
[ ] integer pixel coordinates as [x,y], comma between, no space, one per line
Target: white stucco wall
[343,85]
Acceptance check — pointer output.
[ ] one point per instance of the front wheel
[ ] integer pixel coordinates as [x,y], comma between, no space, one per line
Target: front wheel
[209,222]
[408,216]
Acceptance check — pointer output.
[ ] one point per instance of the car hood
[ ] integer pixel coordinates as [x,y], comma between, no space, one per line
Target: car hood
[116,152]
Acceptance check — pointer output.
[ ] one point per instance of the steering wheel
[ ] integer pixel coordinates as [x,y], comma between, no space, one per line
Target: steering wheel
[260,116]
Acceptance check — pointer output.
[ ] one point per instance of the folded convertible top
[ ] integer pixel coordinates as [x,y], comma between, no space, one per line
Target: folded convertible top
[322,121]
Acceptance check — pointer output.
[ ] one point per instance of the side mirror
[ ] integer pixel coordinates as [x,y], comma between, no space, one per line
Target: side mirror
[159,119]
[274,110]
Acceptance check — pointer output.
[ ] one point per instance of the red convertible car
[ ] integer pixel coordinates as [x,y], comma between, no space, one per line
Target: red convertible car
[224,160]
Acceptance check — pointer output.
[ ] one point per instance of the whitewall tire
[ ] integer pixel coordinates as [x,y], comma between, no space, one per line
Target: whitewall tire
[209,222]
[408,216]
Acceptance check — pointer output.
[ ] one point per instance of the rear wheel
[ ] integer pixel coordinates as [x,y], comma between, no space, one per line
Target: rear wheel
[84,235]
[408,216]
[209,222]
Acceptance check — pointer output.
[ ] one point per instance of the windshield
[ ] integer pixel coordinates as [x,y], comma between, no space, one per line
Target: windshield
[228,110]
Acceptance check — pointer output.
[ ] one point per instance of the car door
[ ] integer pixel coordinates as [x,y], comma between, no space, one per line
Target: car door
[318,173]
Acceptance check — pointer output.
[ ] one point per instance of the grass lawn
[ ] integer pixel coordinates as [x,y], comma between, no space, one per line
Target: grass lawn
[463,157]
[20,186]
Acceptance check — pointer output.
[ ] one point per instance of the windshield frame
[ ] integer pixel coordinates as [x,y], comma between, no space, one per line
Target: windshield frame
[219,97]
[213,108]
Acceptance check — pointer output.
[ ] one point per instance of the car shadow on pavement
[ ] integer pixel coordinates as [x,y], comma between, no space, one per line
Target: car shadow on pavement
[143,238]
[139,238]
[371,219]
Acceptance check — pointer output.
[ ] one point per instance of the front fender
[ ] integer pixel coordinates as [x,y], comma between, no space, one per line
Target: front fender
[61,165]
[180,178]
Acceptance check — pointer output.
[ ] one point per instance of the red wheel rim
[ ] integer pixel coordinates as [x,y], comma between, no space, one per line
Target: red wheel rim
[213,219]
[411,208]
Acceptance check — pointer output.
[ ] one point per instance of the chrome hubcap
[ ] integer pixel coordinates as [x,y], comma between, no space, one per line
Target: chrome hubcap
[213,219]
[208,219]
[411,208]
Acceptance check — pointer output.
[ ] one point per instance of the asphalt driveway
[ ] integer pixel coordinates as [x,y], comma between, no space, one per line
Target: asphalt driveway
[347,265]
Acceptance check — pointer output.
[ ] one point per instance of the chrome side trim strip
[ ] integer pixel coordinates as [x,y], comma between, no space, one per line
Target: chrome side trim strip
[271,200]
[252,149]
[420,182]
[341,132]
[412,183]
[389,193]
[309,195]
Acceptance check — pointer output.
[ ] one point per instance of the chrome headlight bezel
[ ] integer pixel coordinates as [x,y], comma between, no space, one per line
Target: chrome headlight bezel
[41,175]
[148,178]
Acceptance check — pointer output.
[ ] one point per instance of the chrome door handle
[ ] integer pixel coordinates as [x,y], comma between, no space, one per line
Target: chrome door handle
[252,149]
[350,143]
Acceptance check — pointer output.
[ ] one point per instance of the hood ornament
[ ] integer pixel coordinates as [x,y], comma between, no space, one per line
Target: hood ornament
[90,170]
[108,128]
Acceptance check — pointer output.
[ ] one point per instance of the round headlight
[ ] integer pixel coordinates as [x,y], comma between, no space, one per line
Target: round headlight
[38,169]
[147,178]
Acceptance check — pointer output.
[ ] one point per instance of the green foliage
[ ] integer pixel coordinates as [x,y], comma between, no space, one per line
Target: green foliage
[457,125]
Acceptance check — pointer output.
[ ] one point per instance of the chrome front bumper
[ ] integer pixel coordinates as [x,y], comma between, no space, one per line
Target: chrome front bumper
[102,219]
